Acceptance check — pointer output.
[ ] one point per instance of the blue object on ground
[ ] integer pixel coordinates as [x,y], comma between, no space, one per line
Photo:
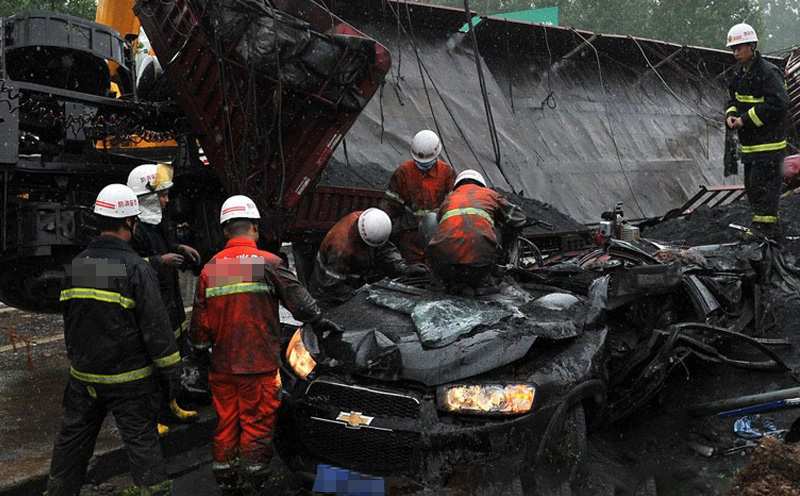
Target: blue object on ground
[333,480]
[754,427]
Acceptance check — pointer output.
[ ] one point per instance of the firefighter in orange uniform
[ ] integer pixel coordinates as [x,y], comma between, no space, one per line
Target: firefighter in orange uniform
[416,188]
[467,242]
[236,315]
[354,250]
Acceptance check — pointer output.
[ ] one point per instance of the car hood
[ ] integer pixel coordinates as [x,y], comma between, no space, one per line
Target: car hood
[388,344]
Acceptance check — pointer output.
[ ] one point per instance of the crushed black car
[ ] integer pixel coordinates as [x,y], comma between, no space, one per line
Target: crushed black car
[433,386]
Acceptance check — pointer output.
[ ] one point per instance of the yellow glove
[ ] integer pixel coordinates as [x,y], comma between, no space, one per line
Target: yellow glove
[162,429]
[181,414]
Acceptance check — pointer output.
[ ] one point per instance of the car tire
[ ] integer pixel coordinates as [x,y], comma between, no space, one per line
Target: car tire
[559,467]
[647,488]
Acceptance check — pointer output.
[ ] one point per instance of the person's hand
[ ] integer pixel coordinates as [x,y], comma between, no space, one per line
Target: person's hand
[730,121]
[172,260]
[418,270]
[327,325]
[738,123]
[194,255]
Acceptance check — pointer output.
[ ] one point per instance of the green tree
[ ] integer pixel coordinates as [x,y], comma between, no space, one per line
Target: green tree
[78,8]
[781,25]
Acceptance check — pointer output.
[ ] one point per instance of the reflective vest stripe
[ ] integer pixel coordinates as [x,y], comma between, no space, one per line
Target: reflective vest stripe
[330,273]
[133,375]
[731,109]
[421,213]
[468,211]
[748,99]
[766,147]
[765,219]
[394,196]
[168,360]
[242,287]
[97,294]
[181,328]
[754,117]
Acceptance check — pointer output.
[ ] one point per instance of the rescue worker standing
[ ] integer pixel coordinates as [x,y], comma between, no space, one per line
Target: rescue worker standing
[236,313]
[416,188]
[758,109]
[118,341]
[356,248]
[151,184]
[467,243]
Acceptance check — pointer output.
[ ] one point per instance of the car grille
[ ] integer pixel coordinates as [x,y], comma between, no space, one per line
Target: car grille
[367,449]
[375,403]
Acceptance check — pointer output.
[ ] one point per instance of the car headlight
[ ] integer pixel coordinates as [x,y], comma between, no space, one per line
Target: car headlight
[299,357]
[483,399]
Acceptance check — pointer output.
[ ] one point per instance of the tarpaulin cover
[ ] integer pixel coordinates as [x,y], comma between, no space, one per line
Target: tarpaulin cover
[574,132]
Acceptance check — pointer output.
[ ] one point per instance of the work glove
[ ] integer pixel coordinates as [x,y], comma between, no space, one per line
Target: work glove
[418,270]
[327,325]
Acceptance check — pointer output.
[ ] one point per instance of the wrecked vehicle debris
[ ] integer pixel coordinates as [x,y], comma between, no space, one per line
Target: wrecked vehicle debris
[410,389]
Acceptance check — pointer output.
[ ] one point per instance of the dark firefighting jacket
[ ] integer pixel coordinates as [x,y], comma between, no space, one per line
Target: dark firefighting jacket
[345,263]
[115,325]
[412,193]
[469,220]
[760,98]
[150,242]
[236,308]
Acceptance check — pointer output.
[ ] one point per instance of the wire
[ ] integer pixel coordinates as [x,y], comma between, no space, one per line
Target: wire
[608,118]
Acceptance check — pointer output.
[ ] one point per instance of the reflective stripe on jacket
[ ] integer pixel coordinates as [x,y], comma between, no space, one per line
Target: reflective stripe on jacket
[115,324]
[236,308]
[344,262]
[467,221]
[760,98]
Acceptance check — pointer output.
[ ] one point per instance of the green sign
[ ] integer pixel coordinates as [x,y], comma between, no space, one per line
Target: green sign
[548,15]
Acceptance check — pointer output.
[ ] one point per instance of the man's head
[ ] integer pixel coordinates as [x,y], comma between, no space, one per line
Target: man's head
[116,207]
[374,227]
[239,218]
[425,149]
[742,40]
[469,176]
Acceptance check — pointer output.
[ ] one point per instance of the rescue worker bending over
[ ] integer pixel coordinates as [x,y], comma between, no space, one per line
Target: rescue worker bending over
[355,250]
[236,313]
[119,342]
[467,243]
[416,188]
[758,109]
[151,184]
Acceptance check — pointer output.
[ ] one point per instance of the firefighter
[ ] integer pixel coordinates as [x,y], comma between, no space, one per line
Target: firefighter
[151,184]
[416,188]
[758,110]
[120,343]
[355,250]
[236,315]
[467,243]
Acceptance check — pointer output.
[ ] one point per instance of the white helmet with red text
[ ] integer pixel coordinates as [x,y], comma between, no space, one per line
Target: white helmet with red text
[238,207]
[117,201]
[741,33]
[150,178]
[374,226]
[426,146]
[471,175]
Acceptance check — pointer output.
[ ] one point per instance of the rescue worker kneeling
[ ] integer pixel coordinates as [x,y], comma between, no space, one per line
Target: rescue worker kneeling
[119,341]
[356,250]
[236,315]
[467,243]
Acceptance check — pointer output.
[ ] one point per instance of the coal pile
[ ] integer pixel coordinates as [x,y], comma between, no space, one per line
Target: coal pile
[710,225]
[366,176]
[535,209]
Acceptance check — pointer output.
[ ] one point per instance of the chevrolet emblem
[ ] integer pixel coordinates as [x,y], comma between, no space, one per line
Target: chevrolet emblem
[354,420]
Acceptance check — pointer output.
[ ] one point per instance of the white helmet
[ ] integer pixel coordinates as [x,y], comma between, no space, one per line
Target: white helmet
[741,33]
[374,226]
[425,146]
[150,178]
[470,174]
[238,207]
[117,201]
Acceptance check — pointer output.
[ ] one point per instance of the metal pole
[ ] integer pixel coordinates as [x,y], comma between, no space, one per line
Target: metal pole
[713,407]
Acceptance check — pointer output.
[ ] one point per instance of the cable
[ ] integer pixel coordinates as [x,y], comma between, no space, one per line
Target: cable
[608,118]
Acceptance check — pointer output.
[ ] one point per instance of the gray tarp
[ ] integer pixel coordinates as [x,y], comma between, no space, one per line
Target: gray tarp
[564,156]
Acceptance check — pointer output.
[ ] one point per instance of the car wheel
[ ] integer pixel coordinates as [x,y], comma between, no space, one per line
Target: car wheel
[566,449]
[647,488]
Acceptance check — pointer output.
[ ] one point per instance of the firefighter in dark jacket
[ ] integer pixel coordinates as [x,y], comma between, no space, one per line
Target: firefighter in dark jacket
[417,187]
[354,250]
[120,344]
[758,109]
[236,314]
[151,184]
[467,243]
